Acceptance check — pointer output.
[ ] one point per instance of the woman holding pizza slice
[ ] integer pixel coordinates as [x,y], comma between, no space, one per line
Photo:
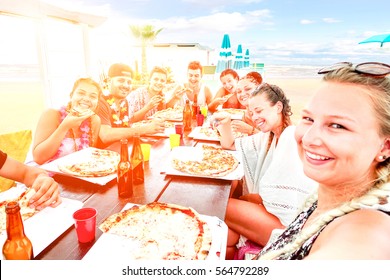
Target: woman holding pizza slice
[71,128]
[274,183]
[226,96]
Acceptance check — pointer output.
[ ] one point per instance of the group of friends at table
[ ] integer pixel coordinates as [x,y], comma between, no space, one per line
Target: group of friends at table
[315,190]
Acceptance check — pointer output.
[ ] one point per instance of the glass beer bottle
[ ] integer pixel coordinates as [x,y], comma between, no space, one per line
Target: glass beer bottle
[17,246]
[187,116]
[195,107]
[137,161]
[125,173]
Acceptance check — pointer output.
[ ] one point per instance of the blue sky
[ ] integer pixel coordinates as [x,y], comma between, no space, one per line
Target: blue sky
[274,31]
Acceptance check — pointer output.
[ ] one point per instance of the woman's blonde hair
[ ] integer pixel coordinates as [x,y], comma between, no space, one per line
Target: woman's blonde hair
[379,193]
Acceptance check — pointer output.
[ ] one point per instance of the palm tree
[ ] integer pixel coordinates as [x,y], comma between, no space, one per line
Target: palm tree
[146,34]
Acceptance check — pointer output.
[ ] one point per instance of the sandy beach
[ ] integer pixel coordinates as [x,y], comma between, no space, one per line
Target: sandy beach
[298,90]
[23,102]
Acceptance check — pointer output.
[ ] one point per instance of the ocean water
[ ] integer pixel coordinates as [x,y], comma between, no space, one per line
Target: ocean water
[291,71]
[31,72]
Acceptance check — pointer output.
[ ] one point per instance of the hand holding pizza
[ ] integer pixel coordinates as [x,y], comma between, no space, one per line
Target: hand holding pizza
[154,101]
[220,118]
[75,118]
[47,192]
[241,126]
[155,126]
[179,91]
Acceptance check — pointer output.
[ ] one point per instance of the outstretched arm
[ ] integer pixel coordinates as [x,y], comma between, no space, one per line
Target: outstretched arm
[47,190]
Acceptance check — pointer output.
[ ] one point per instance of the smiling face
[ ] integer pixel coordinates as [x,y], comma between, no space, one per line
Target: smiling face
[244,89]
[85,96]
[266,116]
[194,76]
[339,131]
[157,82]
[120,86]
[229,83]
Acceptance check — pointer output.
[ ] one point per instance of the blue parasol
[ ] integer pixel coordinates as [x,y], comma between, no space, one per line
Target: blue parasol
[225,55]
[381,38]
[239,60]
[246,58]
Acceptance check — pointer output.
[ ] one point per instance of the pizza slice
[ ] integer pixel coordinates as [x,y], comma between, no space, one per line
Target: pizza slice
[25,211]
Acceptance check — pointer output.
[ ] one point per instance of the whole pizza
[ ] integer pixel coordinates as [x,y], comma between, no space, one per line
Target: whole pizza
[162,231]
[97,164]
[213,133]
[167,124]
[170,114]
[25,211]
[215,162]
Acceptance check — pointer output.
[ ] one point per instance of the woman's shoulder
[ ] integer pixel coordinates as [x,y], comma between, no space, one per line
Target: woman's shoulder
[95,119]
[363,232]
[289,129]
[369,219]
[220,92]
[288,135]
[51,112]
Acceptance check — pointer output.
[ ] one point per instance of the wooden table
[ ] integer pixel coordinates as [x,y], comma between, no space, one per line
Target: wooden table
[207,196]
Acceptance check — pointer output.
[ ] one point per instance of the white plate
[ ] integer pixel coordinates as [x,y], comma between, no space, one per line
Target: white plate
[196,153]
[235,114]
[178,111]
[76,157]
[198,135]
[48,224]
[168,131]
[111,246]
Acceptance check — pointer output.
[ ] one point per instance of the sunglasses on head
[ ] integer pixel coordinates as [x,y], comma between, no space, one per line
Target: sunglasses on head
[264,86]
[368,68]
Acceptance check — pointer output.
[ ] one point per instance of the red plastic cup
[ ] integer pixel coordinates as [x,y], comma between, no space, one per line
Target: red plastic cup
[179,129]
[85,224]
[199,119]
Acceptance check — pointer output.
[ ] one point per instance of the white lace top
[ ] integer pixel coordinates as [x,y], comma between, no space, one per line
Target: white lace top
[277,175]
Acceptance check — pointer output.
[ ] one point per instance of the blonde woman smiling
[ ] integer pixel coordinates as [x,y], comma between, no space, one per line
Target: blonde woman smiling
[344,144]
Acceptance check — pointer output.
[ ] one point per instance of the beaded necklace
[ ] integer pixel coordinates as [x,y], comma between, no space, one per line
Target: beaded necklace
[119,116]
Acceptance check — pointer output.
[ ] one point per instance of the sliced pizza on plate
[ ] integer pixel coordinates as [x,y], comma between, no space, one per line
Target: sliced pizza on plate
[169,114]
[213,162]
[98,163]
[162,231]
